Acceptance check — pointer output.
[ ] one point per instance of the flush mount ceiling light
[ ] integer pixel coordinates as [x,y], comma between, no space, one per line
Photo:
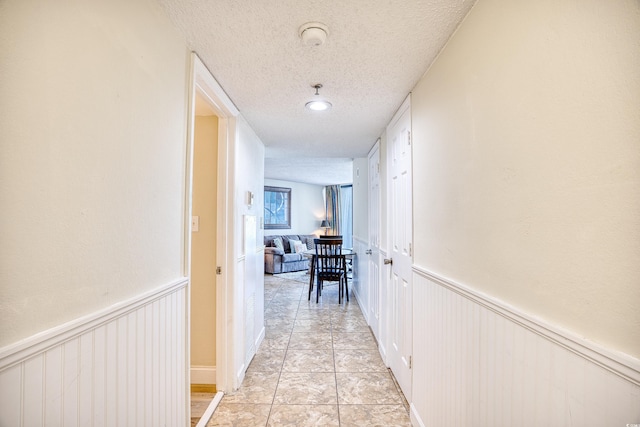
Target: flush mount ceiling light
[318,104]
[313,33]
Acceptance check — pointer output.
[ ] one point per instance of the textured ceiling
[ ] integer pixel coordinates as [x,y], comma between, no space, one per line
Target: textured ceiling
[375,53]
[317,170]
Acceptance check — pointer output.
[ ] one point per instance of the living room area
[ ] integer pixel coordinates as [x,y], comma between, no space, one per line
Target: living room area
[304,200]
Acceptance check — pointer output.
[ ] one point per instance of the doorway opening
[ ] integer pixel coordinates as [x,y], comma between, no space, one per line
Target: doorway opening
[212,128]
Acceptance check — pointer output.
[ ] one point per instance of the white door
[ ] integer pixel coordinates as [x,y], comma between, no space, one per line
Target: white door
[400,244]
[373,252]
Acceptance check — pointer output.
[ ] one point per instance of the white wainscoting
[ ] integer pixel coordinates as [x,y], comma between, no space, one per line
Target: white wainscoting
[359,285]
[123,366]
[479,362]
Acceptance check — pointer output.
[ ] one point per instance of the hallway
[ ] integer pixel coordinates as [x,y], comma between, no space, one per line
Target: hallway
[318,366]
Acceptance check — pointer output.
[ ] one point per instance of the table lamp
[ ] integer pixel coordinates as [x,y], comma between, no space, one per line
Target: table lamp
[325,225]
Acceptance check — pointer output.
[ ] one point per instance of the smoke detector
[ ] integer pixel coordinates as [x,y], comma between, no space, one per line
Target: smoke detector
[313,33]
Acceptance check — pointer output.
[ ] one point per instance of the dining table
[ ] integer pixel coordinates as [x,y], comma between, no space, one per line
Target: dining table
[311,254]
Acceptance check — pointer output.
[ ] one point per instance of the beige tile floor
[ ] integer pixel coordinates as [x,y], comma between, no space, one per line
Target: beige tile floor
[318,366]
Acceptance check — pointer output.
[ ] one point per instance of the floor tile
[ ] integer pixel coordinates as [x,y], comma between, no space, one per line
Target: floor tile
[318,365]
[240,415]
[257,387]
[304,415]
[306,389]
[349,325]
[305,313]
[311,325]
[279,322]
[275,339]
[374,416]
[267,360]
[310,341]
[312,305]
[308,361]
[359,361]
[354,341]
[366,389]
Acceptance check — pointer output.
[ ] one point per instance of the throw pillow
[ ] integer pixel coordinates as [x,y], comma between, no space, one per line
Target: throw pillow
[292,245]
[310,243]
[277,242]
[300,247]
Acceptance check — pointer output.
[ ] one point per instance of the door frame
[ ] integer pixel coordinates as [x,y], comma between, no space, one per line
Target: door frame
[204,84]
[387,269]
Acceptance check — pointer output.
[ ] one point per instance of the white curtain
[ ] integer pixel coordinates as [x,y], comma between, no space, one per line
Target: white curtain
[346,215]
[339,211]
[333,209]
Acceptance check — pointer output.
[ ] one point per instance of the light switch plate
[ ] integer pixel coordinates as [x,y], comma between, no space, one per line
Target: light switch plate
[195,223]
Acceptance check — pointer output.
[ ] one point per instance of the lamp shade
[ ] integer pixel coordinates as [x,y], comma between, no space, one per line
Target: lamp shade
[324,224]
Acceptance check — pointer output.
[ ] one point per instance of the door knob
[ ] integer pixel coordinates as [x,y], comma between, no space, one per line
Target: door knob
[388,261]
[368,252]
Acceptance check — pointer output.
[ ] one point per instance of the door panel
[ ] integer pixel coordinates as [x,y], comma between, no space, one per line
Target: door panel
[373,305]
[400,235]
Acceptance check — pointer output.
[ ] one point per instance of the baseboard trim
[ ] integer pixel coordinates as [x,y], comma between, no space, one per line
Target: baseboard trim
[415,417]
[261,336]
[41,342]
[203,374]
[620,364]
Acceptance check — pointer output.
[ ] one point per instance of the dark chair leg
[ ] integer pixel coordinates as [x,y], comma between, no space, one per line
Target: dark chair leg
[346,286]
[312,276]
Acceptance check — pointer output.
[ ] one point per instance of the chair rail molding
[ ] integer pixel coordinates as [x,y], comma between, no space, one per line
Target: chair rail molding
[123,365]
[488,363]
[620,364]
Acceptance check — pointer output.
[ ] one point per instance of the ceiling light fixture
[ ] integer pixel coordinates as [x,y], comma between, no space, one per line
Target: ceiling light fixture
[318,104]
[313,33]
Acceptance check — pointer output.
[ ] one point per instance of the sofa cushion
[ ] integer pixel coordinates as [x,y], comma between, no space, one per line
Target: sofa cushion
[294,244]
[286,239]
[291,257]
[310,242]
[277,242]
[274,251]
[300,247]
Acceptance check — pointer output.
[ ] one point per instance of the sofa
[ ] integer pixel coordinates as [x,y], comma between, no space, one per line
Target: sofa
[285,259]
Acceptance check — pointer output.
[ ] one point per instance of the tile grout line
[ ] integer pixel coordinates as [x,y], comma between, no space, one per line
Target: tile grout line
[286,350]
[335,369]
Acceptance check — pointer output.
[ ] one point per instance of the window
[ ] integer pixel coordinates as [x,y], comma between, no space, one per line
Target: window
[277,207]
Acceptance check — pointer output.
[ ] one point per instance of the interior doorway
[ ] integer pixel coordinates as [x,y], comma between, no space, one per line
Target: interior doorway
[207,263]
[203,248]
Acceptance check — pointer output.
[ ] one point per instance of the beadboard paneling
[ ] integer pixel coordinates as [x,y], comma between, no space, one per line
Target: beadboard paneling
[359,285]
[478,362]
[124,366]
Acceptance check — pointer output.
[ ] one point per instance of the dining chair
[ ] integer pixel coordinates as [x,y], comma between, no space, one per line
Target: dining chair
[330,266]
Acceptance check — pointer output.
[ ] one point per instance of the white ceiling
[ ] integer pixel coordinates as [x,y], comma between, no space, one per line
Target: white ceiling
[311,170]
[375,53]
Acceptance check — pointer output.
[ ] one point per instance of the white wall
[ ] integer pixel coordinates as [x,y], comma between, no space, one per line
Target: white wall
[93,301]
[527,163]
[92,124]
[526,226]
[248,276]
[307,207]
